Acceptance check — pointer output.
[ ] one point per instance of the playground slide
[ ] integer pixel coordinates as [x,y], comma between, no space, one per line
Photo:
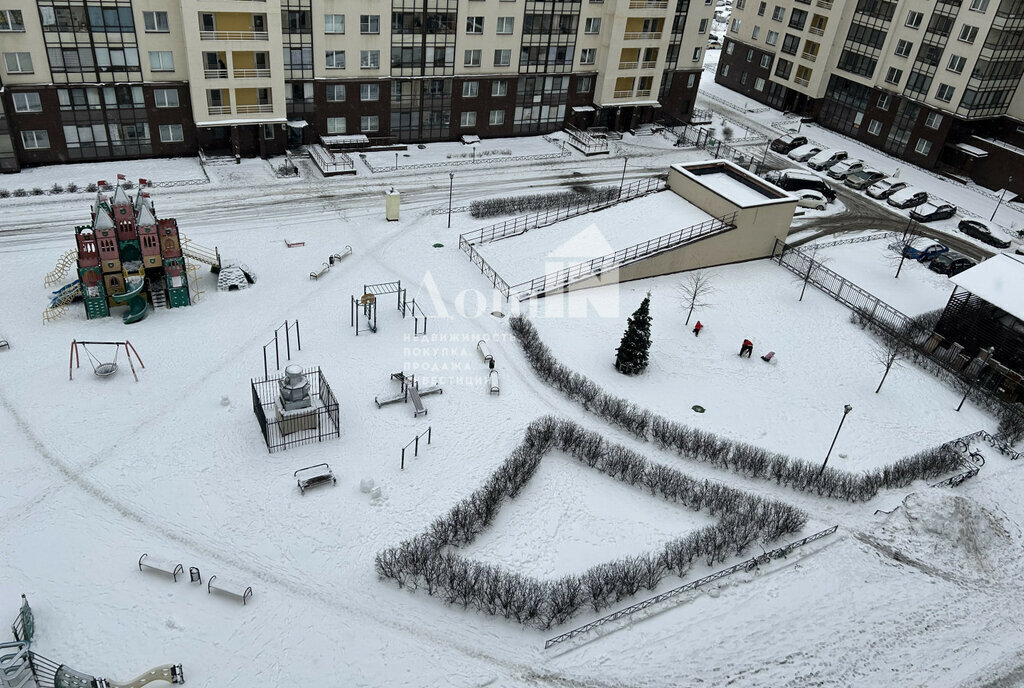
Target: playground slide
[66,294]
[64,263]
[137,305]
[15,666]
[168,672]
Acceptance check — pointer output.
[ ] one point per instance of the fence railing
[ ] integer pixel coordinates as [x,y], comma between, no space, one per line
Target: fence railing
[593,268]
[702,138]
[748,565]
[858,240]
[587,144]
[315,424]
[329,162]
[466,161]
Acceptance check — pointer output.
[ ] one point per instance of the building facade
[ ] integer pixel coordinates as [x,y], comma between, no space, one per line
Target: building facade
[933,82]
[108,79]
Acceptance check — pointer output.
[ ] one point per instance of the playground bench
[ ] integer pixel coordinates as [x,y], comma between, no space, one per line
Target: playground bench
[4,344]
[320,474]
[293,244]
[229,588]
[161,565]
[315,275]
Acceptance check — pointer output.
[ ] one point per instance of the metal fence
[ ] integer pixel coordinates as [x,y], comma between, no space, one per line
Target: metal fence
[281,433]
[702,138]
[330,163]
[723,101]
[467,161]
[748,565]
[858,240]
[585,142]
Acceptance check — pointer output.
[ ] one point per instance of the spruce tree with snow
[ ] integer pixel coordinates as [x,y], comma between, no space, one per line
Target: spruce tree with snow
[631,356]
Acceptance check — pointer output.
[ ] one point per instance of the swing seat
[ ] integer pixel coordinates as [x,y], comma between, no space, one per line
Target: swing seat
[105,369]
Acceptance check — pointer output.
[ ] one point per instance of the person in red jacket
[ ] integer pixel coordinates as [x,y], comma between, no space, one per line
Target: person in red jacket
[697,328]
[747,348]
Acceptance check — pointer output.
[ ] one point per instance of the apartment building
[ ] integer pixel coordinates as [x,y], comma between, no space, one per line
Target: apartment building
[934,82]
[108,79]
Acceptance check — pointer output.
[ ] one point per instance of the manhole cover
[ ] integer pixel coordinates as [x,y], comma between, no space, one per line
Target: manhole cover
[698,408]
[497,314]
[438,245]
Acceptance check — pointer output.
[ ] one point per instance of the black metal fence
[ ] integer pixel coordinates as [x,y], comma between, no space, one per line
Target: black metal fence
[748,565]
[585,142]
[330,162]
[281,433]
[703,138]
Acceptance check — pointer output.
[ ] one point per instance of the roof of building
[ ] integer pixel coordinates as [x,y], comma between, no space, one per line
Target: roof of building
[121,196]
[146,218]
[102,219]
[999,280]
[734,183]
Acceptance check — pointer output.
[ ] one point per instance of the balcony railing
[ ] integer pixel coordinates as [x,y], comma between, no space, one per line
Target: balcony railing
[643,93]
[628,65]
[642,35]
[810,57]
[215,73]
[648,4]
[219,109]
[824,4]
[252,73]
[623,94]
[648,65]
[246,109]
[801,82]
[816,31]
[233,35]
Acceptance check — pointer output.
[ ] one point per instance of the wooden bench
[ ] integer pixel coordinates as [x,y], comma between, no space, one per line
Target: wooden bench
[161,565]
[228,588]
[320,474]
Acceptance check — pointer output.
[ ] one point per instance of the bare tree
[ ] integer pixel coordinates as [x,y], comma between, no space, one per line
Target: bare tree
[806,271]
[694,291]
[889,351]
[899,249]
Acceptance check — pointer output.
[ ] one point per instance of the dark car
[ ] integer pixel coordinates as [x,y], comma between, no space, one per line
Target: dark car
[930,212]
[794,180]
[864,178]
[924,254]
[979,230]
[786,143]
[950,263]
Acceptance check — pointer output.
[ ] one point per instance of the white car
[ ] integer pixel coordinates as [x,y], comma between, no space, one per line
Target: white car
[826,158]
[885,188]
[841,170]
[804,153]
[809,198]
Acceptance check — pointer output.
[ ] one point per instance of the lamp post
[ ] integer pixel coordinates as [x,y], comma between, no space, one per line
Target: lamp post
[846,412]
[1000,201]
[451,185]
[396,161]
[622,180]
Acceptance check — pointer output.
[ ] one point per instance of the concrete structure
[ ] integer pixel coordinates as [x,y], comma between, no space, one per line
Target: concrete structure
[934,83]
[110,79]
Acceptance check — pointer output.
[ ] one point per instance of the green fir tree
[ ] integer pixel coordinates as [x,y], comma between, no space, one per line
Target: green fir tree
[631,356]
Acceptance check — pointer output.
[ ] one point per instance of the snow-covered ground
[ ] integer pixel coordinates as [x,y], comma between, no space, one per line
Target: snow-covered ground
[100,470]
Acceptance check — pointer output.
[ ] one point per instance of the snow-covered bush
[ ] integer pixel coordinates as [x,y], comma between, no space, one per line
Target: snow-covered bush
[4,193]
[56,188]
[91,187]
[38,191]
[512,205]
[71,187]
[20,193]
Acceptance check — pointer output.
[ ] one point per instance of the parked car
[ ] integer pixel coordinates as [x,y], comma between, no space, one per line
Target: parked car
[795,180]
[950,263]
[863,178]
[979,229]
[930,212]
[714,45]
[924,254]
[809,198]
[885,188]
[907,197]
[843,169]
[804,152]
[785,144]
[826,158]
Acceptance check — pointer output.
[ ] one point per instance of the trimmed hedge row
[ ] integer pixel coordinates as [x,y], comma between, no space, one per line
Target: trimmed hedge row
[516,205]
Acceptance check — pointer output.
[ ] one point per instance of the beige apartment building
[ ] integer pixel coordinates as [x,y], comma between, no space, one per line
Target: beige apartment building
[109,79]
[934,82]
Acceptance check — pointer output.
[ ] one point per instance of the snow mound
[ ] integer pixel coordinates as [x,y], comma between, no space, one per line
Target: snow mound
[947,534]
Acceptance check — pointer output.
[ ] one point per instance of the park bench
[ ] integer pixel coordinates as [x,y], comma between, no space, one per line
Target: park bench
[315,275]
[229,588]
[311,476]
[161,565]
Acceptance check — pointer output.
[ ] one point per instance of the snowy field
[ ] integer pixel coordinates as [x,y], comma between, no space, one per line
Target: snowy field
[100,471]
[487,150]
[82,174]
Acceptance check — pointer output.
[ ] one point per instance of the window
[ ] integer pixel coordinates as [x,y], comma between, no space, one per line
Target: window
[369,59]
[914,19]
[335,125]
[268,132]
[874,127]
[979,5]
[729,48]
[766,61]
[35,138]
[499,88]
[336,93]
[369,123]
[334,23]
[472,58]
[725,70]
[883,101]
[27,102]
[155,22]
[161,60]
[691,80]
[11,20]
[761,8]
[703,26]
[369,92]
[933,121]
[790,44]
[369,23]
[968,33]
[756,32]
[470,89]
[750,55]
[783,68]
[735,26]
[743,78]
[759,84]
[797,19]
[945,93]
[496,118]
[956,63]
[171,133]
[588,56]
[585,83]
[84,135]
[894,75]
[506,24]
[114,58]
[467,119]
[18,63]
[335,59]
[779,13]
[741,4]
[858,118]
[803,73]
[696,54]
[166,97]
[923,147]
[474,24]
[123,97]
[772,38]
[904,48]
[502,58]
[592,25]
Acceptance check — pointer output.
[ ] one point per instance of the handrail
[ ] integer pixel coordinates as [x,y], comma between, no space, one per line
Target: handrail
[233,35]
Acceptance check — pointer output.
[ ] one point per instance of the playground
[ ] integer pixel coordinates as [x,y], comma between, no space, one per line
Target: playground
[102,469]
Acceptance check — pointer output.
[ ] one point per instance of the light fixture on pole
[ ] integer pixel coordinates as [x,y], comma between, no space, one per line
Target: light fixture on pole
[846,412]
[623,179]
[1000,201]
[451,185]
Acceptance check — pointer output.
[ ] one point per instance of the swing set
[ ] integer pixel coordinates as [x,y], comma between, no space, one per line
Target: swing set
[102,368]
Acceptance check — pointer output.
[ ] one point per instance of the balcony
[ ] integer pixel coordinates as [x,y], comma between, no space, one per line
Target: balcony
[824,4]
[251,73]
[810,57]
[801,82]
[247,109]
[233,35]
[816,31]
[648,4]
[643,93]
[642,35]
[648,65]
[623,94]
[628,65]
[219,109]
[215,73]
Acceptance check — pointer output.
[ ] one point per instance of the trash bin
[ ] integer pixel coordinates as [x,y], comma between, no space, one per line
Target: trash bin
[193,574]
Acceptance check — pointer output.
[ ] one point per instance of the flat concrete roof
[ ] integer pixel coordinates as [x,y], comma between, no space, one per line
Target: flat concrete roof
[999,280]
[733,183]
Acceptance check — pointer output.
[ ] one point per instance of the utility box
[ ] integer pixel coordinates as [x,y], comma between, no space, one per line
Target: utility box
[392,200]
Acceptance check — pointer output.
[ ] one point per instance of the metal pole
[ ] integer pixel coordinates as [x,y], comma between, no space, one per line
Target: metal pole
[287,340]
[451,185]
[846,411]
[396,161]
[1000,201]
[298,335]
[403,458]
[277,353]
[429,428]
[416,449]
[623,179]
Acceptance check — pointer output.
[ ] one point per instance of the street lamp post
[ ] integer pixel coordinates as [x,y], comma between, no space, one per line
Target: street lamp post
[623,179]
[1000,201]
[846,412]
[396,162]
[451,185]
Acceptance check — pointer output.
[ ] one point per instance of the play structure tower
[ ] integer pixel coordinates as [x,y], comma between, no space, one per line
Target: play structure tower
[128,256]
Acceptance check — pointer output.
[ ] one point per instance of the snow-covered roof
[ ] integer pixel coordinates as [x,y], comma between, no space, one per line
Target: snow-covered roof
[734,183]
[999,280]
[121,196]
[103,219]
[146,218]
[973,151]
